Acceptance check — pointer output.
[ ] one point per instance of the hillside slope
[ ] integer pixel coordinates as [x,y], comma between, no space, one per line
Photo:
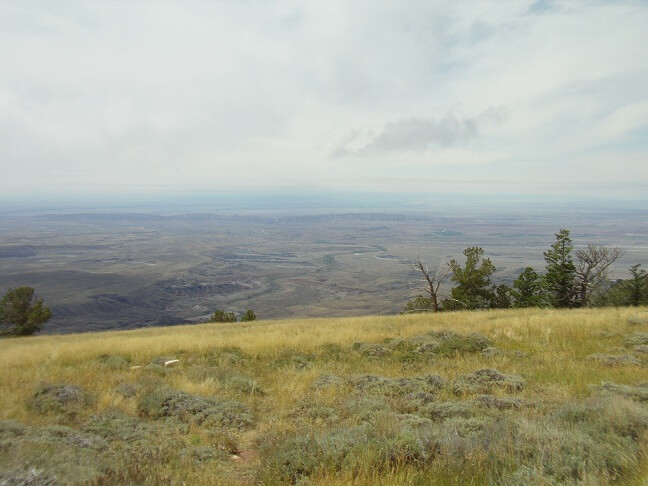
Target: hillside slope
[509,397]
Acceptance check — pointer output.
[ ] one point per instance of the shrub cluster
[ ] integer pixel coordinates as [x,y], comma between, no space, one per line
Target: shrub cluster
[203,411]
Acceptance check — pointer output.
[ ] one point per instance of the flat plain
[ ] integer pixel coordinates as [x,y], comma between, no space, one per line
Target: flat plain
[124,269]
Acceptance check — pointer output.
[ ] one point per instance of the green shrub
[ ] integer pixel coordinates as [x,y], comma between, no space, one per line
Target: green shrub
[51,455]
[293,359]
[65,399]
[202,411]
[393,387]
[636,338]
[502,403]
[638,393]
[200,454]
[371,350]
[446,410]
[384,442]
[222,316]
[451,342]
[127,390]
[27,476]
[248,315]
[226,356]
[638,320]
[326,380]
[315,412]
[486,380]
[640,349]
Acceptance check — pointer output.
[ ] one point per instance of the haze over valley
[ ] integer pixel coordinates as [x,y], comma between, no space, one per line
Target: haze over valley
[113,268]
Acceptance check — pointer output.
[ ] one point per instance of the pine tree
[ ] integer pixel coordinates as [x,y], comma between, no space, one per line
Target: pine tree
[527,289]
[560,279]
[22,312]
[637,285]
[473,290]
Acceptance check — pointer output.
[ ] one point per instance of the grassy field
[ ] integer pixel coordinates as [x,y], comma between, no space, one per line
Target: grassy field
[500,397]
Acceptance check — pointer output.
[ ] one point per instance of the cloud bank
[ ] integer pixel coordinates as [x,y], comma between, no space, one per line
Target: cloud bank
[167,96]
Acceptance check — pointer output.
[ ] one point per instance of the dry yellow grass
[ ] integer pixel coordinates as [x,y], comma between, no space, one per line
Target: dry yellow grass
[557,343]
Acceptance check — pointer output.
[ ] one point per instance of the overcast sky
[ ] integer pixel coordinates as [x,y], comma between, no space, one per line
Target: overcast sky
[164,97]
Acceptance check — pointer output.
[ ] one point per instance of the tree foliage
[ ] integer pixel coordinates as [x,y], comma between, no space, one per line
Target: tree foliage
[222,316]
[249,315]
[637,286]
[560,279]
[501,298]
[418,305]
[473,289]
[528,290]
[21,313]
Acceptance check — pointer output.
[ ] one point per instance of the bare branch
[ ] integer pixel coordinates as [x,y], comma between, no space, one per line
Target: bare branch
[592,264]
[431,282]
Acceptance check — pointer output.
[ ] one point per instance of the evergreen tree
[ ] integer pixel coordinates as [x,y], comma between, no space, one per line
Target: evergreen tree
[637,286]
[22,312]
[527,289]
[473,289]
[249,315]
[501,297]
[222,316]
[560,279]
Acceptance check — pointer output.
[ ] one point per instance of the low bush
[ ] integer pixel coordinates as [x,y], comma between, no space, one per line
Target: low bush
[486,380]
[393,387]
[200,454]
[371,350]
[502,403]
[451,342]
[226,356]
[384,442]
[636,338]
[127,390]
[639,392]
[638,320]
[641,349]
[446,410]
[293,359]
[202,411]
[64,399]
[51,455]
[326,380]
[315,412]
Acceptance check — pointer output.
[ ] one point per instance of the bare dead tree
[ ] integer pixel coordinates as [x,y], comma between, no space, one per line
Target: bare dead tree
[431,282]
[592,264]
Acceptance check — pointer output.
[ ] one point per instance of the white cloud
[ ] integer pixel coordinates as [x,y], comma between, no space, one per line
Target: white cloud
[197,95]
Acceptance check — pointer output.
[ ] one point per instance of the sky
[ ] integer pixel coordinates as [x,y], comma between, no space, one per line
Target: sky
[173,97]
